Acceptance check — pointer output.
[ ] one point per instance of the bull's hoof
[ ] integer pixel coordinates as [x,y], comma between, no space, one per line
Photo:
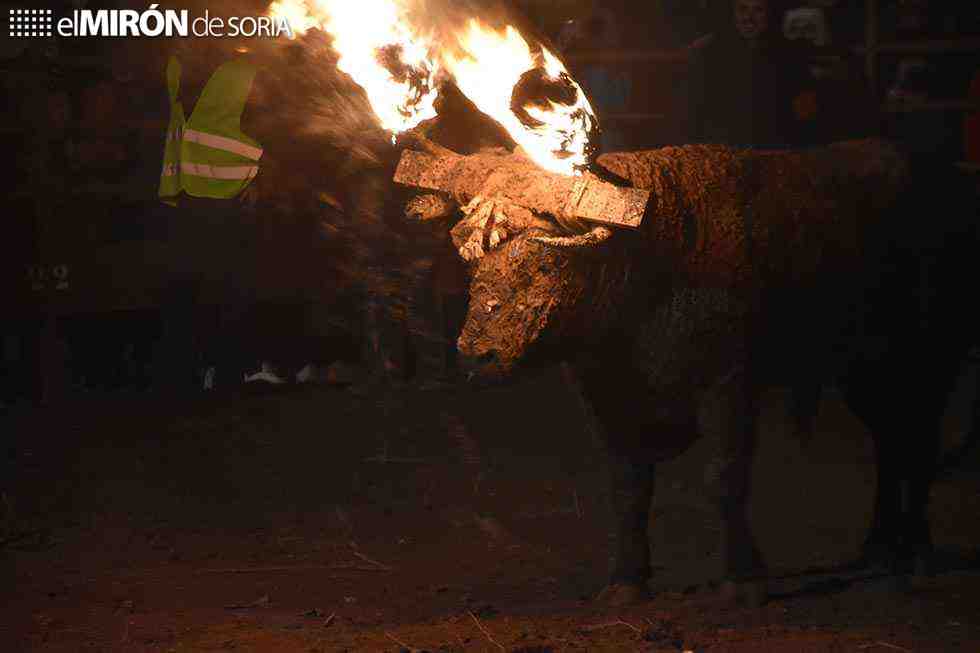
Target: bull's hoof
[750,594]
[925,566]
[896,563]
[617,595]
[879,557]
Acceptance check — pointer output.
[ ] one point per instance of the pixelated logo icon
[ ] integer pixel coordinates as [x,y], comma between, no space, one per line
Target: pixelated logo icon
[31,23]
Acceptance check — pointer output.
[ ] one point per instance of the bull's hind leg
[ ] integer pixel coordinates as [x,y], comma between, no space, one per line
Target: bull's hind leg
[922,460]
[899,540]
[865,394]
[906,446]
[920,466]
[919,462]
[880,547]
[631,490]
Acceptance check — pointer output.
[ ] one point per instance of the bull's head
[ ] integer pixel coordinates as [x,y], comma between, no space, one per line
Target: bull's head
[541,288]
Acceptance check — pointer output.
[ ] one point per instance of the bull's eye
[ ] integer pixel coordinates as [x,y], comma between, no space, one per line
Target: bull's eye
[690,231]
[488,358]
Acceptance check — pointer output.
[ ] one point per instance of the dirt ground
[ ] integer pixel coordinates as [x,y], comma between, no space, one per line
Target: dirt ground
[434,518]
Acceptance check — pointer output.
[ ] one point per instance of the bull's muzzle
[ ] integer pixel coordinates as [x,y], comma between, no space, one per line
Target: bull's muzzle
[481,369]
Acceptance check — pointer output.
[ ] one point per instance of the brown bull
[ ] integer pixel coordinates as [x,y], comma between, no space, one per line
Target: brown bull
[750,268]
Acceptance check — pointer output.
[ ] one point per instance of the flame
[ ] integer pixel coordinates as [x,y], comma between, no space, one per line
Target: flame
[490,69]
[523,87]
[378,49]
[296,13]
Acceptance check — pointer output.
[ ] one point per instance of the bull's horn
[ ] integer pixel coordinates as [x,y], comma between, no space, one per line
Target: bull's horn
[597,236]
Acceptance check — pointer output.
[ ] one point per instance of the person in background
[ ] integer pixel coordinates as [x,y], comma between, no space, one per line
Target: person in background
[841,105]
[209,165]
[914,80]
[750,88]
[607,88]
[684,21]
[807,24]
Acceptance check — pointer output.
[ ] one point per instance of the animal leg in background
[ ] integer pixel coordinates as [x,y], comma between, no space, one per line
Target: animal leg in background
[920,462]
[904,449]
[920,444]
[907,444]
[881,544]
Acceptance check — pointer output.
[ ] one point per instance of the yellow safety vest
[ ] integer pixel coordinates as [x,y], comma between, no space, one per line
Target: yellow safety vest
[170,175]
[212,157]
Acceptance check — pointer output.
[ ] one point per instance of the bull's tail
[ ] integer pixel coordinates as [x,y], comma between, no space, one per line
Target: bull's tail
[954,457]
[804,405]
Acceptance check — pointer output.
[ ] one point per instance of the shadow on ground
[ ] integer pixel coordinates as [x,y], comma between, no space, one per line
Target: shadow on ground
[433,518]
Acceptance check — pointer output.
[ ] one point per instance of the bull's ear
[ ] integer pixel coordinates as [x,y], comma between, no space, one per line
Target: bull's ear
[593,238]
[430,207]
[461,233]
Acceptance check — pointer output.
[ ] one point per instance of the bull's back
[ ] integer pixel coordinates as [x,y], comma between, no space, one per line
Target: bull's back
[805,261]
[750,221]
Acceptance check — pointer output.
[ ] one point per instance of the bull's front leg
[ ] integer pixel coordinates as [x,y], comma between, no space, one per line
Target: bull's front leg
[744,567]
[631,491]
[630,484]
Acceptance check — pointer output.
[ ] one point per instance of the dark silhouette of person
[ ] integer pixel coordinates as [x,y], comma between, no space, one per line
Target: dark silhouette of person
[750,87]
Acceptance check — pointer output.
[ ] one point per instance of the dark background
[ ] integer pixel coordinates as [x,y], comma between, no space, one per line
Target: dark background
[121,501]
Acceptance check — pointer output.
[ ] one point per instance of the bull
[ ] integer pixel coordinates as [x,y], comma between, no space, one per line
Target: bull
[841,264]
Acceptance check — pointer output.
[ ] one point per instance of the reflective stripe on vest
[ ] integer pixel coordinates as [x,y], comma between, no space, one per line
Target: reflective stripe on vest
[222,143]
[218,172]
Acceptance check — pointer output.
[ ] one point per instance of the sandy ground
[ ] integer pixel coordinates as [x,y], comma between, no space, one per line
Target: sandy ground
[439,519]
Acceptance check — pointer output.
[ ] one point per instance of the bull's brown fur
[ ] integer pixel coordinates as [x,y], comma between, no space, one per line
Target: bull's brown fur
[733,217]
[749,265]
[752,226]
